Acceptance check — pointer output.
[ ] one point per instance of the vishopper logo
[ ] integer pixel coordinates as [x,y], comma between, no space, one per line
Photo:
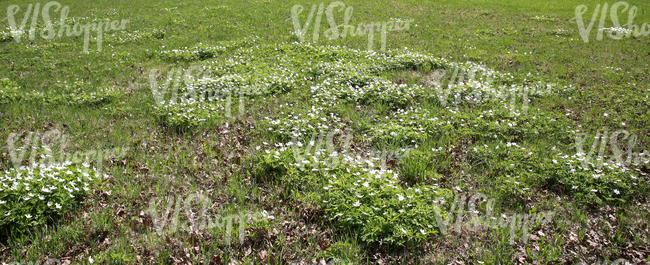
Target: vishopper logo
[322,148]
[168,222]
[463,86]
[616,32]
[618,158]
[175,78]
[196,84]
[515,222]
[44,145]
[50,33]
[333,32]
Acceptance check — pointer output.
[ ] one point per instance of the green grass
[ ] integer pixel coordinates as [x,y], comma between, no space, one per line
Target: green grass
[103,100]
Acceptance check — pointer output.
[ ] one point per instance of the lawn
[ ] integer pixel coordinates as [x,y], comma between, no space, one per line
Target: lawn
[304,132]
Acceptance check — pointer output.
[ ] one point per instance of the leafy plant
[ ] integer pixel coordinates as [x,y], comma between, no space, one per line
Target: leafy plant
[31,196]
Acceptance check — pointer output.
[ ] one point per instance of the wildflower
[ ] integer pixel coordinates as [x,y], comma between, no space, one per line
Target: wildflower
[400,197]
[357,204]
[28,216]
[617,192]
[57,205]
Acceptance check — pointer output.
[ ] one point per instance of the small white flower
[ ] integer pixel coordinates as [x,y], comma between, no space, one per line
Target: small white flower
[594,190]
[28,216]
[357,204]
[57,205]
[400,197]
[422,231]
[617,192]
[3,202]
[605,115]
[554,161]
[8,213]
[41,197]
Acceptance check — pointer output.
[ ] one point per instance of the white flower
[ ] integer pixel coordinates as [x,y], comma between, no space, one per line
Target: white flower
[594,190]
[41,197]
[28,216]
[422,231]
[617,192]
[605,115]
[403,230]
[400,197]
[8,213]
[357,204]
[554,161]
[57,205]
[2,202]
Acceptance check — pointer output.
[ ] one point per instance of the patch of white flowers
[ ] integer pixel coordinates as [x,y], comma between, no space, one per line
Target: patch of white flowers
[37,191]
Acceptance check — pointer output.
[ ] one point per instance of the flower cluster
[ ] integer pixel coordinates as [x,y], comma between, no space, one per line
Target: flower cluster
[30,196]
[360,196]
[302,124]
[524,169]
